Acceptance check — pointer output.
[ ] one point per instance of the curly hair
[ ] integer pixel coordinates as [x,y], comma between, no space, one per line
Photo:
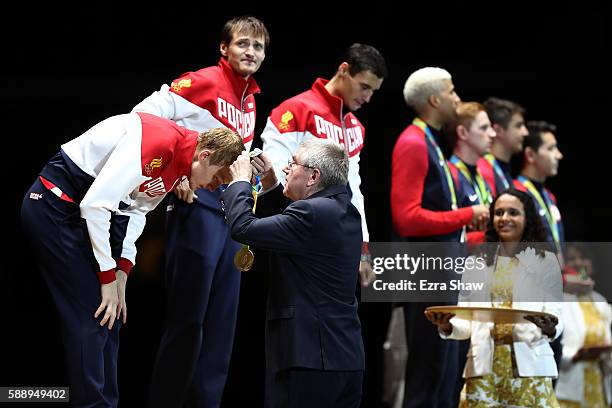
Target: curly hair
[534,232]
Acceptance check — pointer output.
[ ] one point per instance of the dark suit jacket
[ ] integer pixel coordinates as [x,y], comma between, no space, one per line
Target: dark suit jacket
[312,310]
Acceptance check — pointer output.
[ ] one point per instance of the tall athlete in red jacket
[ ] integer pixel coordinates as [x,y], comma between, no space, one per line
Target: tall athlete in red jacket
[203,284]
[424,208]
[325,111]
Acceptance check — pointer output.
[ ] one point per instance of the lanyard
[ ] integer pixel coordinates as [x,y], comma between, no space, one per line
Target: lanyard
[545,204]
[442,161]
[243,260]
[256,187]
[479,184]
[497,168]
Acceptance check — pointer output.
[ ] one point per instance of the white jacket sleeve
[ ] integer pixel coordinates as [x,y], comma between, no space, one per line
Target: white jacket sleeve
[551,289]
[553,284]
[160,103]
[119,176]
[462,329]
[357,199]
[136,212]
[473,274]
[279,147]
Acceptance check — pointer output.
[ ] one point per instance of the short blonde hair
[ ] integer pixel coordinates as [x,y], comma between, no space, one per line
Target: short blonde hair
[225,144]
[467,112]
[423,83]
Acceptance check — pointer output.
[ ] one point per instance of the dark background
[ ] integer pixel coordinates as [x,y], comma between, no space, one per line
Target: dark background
[67,68]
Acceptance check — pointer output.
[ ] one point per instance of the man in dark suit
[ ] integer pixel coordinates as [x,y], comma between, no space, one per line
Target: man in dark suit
[314,350]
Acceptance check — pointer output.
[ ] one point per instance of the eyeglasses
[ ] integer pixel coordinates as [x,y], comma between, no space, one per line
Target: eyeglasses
[292,163]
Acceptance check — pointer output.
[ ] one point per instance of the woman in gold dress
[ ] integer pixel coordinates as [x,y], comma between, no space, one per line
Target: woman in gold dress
[584,375]
[511,365]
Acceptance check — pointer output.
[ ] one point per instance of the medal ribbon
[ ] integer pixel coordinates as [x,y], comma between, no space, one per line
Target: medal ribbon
[497,168]
[244,257]
[479,185]
[544,204]
[442,161]
[420,123]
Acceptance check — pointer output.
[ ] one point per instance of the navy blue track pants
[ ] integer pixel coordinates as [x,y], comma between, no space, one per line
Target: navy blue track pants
[203,287]
[61,245]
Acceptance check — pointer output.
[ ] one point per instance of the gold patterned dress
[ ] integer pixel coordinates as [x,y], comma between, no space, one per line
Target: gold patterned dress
[595,336]
[504,387]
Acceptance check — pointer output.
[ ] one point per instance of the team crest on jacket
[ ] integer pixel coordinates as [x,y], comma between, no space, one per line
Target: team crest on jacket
[149,167]
[285,119]
[182,83]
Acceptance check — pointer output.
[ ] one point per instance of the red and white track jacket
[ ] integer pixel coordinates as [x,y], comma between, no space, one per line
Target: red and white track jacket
[135,159]
[315,113]
[209,98]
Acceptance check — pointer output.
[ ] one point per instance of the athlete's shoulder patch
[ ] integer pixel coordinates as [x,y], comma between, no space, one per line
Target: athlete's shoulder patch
[286,121]
[179,84]
[152,165]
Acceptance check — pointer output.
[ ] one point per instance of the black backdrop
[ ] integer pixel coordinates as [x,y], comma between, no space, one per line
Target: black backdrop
[66,68]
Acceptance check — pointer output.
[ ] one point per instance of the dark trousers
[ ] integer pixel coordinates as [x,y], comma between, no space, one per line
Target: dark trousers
[375,318]
[202,287]
[433,369]
[61,245]
[307,388]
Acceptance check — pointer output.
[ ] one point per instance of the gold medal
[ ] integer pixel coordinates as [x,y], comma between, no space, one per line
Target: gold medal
[244,259]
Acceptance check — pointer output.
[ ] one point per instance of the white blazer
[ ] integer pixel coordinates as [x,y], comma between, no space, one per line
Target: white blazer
[537,286]
[570,385]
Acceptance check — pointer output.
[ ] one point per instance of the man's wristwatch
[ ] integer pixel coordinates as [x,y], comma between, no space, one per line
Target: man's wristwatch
[365,253]
[366,258]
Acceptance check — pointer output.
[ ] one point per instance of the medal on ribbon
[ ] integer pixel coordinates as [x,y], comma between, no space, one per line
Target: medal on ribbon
[244,258]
